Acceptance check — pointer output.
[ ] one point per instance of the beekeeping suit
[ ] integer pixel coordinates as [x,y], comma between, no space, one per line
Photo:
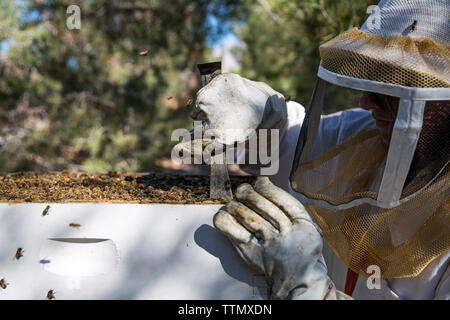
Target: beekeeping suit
[379,198]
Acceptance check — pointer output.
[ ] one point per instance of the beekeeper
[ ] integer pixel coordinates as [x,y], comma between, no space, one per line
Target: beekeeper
[372,179]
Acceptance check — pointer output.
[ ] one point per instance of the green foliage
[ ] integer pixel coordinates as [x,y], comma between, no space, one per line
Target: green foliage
[282,40]
[87,99]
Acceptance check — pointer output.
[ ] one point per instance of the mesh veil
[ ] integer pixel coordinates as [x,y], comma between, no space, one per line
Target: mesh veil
[406,50]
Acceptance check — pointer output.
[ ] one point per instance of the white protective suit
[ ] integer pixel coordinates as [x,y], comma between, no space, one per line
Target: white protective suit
[432,283]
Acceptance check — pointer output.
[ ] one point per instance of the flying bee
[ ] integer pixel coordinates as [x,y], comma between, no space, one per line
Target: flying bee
[3,283]
[51,295]
[74,225]
[46,210]
[19,253]
[143,52]
[414,25]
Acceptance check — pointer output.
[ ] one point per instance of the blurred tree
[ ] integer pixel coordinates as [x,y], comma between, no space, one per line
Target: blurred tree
[105,97]
[282,39]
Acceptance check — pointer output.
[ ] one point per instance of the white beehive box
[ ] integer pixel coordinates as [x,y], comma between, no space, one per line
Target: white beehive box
[120,251]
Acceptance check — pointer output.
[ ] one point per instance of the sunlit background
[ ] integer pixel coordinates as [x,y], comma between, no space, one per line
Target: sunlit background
[107,97]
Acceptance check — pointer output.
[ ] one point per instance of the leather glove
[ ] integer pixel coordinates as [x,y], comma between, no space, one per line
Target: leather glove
[232,108]
[274,234]
[230,101]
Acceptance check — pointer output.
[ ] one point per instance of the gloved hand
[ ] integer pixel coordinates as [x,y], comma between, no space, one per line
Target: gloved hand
[275,235]
[230,101]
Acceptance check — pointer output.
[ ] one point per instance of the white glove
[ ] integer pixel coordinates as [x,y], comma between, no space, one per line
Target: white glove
[275,235]
[230,101]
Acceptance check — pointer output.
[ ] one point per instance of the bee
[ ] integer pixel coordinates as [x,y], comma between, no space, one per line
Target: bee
[189,102]
[74,225]
[3,283]
[19,253]
[51,295]
[414,25]
[143,53]
[46,210]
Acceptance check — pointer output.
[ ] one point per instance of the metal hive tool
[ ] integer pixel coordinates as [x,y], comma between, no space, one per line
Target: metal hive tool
[219,180]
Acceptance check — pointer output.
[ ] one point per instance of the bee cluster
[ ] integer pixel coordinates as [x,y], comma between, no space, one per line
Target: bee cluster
[112,187]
